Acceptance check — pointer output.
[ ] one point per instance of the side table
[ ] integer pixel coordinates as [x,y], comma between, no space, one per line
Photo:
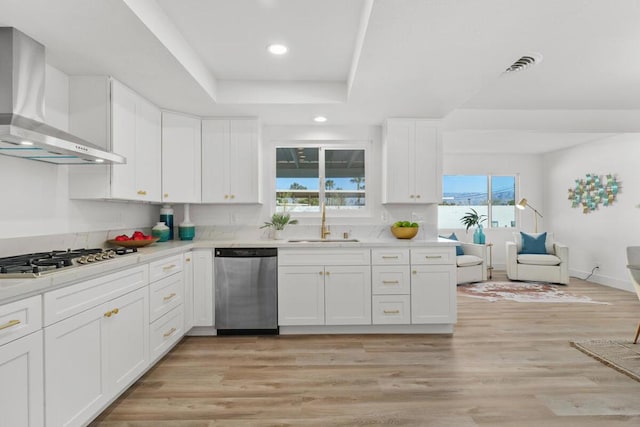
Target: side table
[490,264]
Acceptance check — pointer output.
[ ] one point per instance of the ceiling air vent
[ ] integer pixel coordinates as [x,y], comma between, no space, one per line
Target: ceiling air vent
[527,61]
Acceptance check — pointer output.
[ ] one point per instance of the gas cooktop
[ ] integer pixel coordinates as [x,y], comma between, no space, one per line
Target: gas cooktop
[40,263]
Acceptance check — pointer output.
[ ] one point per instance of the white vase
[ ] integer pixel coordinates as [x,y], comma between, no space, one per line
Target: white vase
[276,234]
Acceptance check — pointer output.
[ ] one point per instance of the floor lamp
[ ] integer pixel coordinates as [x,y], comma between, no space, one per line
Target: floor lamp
[522,204]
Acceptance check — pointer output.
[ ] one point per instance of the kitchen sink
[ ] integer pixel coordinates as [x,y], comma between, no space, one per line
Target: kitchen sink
[325,241]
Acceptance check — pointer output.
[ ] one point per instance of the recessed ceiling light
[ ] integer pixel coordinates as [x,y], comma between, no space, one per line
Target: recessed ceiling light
[277,49]
[26,143]
[320,119]
[99,161]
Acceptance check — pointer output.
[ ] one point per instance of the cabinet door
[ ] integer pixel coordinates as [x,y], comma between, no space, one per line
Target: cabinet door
[187,274]
[123,142]
[301,295]
[127,335]
[203,288]
[148,151]
[428,171]
[433,294]
[347,292]
[215,161]
[75,383]
[136,134]
[398,167]
[21,376]
[181,158]
[244,161]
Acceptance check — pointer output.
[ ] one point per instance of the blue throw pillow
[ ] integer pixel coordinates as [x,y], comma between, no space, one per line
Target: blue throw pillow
[533,244]
[453,236]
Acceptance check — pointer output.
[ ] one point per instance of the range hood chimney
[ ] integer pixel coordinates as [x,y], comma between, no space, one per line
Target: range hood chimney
[23,132]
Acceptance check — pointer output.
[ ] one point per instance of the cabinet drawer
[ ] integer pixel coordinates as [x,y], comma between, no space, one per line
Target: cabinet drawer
[391,309]
[74,299]
[165,267]
[389,256]
[329,256]
[390,279]
[20,318]
[165,295]
[433,256]
[166,331]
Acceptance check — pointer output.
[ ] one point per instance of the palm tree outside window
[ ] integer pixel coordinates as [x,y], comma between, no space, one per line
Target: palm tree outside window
[310,174]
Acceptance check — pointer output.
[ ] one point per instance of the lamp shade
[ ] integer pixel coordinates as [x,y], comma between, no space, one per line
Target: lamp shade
[522,204]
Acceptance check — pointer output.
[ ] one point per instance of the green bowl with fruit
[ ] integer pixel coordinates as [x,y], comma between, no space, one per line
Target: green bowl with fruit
[405,229]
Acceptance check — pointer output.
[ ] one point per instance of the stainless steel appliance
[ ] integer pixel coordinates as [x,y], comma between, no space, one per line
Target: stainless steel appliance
[40,263]
[246,283]
[23,131]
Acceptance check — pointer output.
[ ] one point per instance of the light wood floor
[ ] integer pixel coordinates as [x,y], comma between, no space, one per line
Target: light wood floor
[507,364]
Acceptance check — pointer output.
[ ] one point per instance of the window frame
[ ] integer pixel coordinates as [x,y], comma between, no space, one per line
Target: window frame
[366,145]
[490,205]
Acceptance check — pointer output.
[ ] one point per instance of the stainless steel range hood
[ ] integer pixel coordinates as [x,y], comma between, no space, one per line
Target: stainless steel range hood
[23,132]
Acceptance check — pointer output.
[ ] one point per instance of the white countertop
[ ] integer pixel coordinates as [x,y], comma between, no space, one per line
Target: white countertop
[14,289]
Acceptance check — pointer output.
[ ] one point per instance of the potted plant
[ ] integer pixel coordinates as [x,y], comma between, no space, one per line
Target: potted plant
[278,222]
[471,219]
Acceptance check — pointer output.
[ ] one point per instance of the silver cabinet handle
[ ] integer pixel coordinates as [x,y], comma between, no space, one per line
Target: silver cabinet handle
[390,282]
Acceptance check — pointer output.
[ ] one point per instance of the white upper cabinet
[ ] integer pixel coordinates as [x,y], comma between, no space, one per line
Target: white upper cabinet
[181,165]
[231,161]
[412,161]
[106,112]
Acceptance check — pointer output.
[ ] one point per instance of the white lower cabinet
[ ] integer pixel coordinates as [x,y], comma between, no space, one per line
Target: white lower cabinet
[92,356]
[166,297]
[433,293]
[21,363]
[391,309]
[187,274]
[324,287]
[391,286]
[300,295]
[203,288]
[166,331]
[347,295]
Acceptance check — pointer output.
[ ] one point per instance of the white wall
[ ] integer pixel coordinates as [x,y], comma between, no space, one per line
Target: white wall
[600,237]
[35,196]
[528,169]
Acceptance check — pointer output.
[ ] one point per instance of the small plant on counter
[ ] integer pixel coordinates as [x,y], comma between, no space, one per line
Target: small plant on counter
[279,221]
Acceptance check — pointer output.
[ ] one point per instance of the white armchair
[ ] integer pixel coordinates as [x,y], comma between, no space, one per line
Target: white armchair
[550,267]
[472,266]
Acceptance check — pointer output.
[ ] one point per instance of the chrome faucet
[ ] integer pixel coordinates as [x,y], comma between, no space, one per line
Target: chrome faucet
[324,228]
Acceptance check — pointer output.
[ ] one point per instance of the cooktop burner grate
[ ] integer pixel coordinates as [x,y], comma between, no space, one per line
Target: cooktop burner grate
[35,264]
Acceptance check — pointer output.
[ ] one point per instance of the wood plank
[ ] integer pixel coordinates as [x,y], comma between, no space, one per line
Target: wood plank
[507,364]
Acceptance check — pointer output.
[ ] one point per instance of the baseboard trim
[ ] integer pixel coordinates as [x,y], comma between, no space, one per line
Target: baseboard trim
[601,279]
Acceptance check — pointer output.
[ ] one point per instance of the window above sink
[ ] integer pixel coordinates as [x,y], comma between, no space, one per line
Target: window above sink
[308,174]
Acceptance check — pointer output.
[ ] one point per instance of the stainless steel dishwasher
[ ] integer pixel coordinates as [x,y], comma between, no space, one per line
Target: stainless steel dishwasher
[246,283]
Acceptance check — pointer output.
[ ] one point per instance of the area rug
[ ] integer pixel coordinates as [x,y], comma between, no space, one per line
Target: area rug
[523,292]
[621,355]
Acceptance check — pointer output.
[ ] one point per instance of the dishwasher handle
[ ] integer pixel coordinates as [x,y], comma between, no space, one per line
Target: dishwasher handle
[246,252]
